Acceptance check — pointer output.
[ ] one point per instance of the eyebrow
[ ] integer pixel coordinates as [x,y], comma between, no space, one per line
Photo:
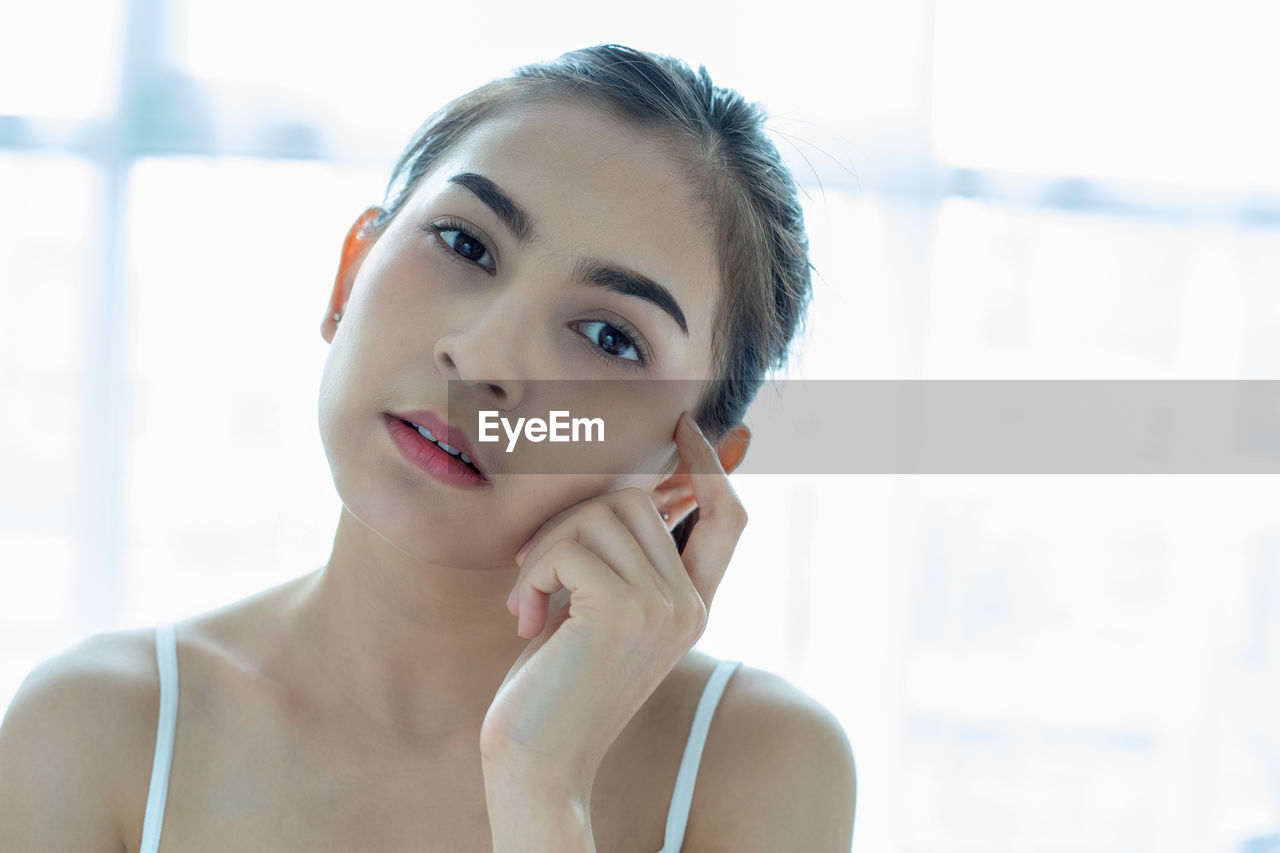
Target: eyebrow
[512,215]
[589,272]
[630,283]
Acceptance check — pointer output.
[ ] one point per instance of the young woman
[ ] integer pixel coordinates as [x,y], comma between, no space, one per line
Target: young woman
[492,658]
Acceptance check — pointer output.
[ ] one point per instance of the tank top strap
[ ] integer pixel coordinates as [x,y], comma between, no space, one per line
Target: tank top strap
[167,662]
[682,797]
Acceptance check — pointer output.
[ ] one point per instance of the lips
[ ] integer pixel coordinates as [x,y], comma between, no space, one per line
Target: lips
[443,433]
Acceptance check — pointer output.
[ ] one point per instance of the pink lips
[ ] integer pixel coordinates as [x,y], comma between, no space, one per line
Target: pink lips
[427,456]
[453,436]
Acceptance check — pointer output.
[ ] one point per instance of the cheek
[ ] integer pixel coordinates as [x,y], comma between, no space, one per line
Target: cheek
[400,275]
[339,375]
[540,494]
[547,494]
[637,447]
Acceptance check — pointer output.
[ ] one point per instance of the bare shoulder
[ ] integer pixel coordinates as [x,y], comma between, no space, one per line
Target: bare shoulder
[78,734]
[777,772]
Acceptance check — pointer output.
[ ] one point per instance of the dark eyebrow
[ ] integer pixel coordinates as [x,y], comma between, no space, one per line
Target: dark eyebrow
[624,281]
[630,283]
[500,203]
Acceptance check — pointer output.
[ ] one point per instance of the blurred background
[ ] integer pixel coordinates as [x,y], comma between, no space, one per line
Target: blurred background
[995,189]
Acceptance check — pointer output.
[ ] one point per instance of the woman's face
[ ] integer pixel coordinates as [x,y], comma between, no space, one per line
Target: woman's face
[509,282]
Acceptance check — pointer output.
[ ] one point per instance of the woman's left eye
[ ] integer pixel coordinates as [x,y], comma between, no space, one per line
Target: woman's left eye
[612,340]
[464,244]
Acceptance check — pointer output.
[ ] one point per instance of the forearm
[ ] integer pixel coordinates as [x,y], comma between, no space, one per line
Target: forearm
[528,815]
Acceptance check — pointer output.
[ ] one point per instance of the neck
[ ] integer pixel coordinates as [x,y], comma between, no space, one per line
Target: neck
[416,648]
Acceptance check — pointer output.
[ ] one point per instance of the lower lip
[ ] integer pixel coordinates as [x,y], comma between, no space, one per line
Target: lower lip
[430,458]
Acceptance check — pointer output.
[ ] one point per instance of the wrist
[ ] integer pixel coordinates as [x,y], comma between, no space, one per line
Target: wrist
[537,781]
[537,812]
[556,774]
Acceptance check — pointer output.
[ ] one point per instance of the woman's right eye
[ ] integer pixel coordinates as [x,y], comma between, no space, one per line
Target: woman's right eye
[464,244]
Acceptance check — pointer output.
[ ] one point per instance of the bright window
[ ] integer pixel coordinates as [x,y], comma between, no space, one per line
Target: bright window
[992,190]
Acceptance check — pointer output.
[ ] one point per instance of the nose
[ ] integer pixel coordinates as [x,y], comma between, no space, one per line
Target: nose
[489,353]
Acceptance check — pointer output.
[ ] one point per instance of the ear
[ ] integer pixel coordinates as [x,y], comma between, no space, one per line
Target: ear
[674,495]
[360,238]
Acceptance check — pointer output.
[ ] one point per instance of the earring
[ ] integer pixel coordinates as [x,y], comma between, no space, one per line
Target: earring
[664,516]
[337,317]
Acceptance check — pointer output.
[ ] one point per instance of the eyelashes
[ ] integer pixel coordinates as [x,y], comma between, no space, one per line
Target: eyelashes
[466,247]
[455,237]
[630,340]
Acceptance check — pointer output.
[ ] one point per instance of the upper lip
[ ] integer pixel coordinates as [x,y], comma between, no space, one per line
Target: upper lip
[444,432]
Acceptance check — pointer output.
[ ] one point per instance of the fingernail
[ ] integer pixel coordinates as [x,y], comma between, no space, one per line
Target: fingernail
[693,424]
[511,597]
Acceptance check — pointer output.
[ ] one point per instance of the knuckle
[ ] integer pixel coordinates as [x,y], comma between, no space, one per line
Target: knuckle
[685,614]
[635,498]
[697,611]
[667,611]
[633,493]
[557,550]
[597,512]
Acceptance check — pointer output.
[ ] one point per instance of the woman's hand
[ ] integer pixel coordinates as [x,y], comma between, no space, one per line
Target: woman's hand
[625,606]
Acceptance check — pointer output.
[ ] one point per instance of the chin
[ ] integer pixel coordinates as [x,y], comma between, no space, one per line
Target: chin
[391,503]
[423,535]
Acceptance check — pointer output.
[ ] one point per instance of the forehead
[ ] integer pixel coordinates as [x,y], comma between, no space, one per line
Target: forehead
[595,185]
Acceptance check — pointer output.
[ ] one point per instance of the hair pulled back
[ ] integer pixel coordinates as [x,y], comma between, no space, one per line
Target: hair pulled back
[734,168]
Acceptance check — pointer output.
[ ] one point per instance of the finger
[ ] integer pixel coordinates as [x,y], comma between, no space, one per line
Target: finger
[543,530]
[522,556]
[615,499]
[721,515]
[534,609]
[596,526]
[530,609]
[635,509]
[639,513]
[566,564]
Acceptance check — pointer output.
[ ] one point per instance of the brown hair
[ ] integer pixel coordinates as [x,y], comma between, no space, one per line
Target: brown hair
[763,251]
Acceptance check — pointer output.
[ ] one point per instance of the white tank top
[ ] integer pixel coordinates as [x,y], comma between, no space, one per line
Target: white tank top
[167,661]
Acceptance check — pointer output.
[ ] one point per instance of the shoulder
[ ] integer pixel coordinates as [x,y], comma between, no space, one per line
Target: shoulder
[78,733]
[777,772]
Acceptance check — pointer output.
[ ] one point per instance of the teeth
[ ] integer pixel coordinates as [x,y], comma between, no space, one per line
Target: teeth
[452,451]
